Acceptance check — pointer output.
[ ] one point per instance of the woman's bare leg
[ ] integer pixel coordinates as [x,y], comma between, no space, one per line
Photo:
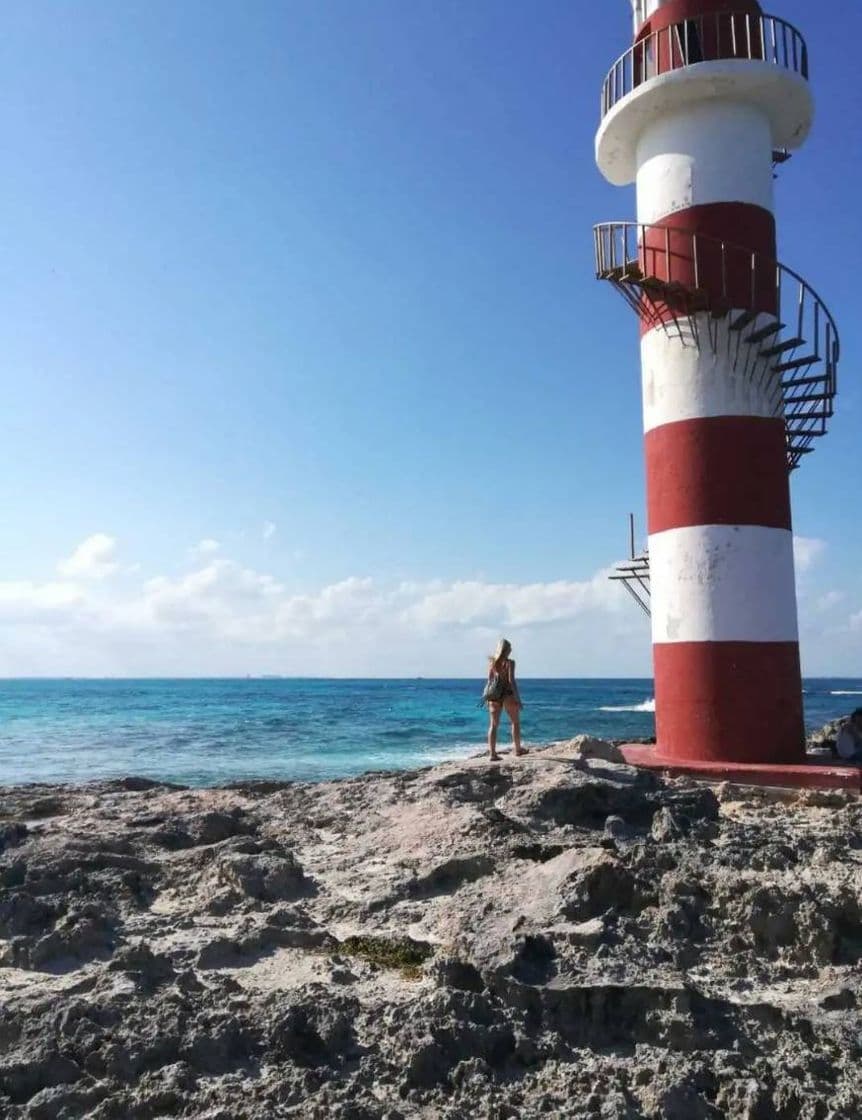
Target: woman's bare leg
[493,723]
[514,714]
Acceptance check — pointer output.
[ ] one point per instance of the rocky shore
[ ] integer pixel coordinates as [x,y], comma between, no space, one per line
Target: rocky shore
[560,936]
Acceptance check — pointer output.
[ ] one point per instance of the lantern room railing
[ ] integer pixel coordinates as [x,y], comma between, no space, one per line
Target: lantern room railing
[770,322]
[708,38]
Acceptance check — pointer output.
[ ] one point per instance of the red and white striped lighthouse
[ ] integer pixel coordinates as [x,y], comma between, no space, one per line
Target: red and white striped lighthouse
[738,358]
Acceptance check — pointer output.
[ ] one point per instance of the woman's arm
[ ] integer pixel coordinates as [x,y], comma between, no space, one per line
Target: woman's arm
[514,684]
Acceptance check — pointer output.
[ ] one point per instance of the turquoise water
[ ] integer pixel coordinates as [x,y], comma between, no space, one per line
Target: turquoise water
[200,732]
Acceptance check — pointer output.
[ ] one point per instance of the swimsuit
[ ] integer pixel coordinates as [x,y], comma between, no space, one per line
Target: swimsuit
[507,688]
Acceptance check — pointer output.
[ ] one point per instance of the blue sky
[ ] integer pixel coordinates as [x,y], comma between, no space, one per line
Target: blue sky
[311,282]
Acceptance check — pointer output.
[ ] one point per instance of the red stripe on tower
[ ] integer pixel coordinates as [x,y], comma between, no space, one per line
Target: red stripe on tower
[652,16]
[718,250]
[724,470]
[732,699]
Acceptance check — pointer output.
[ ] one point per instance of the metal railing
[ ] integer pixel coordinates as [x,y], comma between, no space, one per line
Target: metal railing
[707,38]
[634,572]
[634,576]
[775,322]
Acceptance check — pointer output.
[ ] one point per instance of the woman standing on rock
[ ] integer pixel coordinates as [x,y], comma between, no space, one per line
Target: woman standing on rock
[501,692]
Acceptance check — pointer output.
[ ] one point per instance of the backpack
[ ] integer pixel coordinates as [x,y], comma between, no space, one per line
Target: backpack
[494,689]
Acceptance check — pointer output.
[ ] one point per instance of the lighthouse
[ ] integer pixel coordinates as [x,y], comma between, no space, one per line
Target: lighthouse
[738,367]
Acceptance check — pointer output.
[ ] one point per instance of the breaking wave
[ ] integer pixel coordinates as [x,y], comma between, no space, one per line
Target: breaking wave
[846,692]
[646,706]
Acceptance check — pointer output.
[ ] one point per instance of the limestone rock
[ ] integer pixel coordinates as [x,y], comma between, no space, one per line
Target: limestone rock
[266,877]
[586,746]
[560,936]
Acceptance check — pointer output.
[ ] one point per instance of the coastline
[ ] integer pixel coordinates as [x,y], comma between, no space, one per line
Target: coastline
[561,936]
[204,733]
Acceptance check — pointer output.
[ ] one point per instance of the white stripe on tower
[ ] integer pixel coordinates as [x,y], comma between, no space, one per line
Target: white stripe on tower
[747,571]
[682,159]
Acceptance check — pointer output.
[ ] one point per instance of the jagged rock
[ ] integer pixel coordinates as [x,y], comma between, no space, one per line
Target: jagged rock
[825,736]
[85,932]
[665,827]
[841,999]
[212,827]
[22,915]
[44,807]
[451,972]
[135,784]
[618,832]
[585,746]
[561,936]
[589,933]
[266,877]
[147,968]
[11,835]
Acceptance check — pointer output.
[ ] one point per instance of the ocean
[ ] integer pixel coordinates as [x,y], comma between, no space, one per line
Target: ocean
[205,732]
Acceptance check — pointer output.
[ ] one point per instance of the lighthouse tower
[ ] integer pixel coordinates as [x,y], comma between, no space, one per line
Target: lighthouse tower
[738,363]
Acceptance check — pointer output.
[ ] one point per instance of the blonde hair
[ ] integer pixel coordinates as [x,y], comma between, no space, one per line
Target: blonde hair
[504,648]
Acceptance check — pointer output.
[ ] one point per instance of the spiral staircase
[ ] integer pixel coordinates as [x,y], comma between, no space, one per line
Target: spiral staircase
[771,323]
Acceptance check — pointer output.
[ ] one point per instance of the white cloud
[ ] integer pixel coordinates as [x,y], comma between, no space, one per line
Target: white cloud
[215,616]
[22,601]
[807,551]
[269,528]
[206,547]
[223,617]
[92,559]
[222,598]
[475,603]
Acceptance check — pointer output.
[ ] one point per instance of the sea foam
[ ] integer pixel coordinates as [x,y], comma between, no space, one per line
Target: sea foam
[646,706]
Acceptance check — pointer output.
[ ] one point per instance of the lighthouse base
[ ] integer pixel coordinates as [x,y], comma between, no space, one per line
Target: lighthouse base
[804,775]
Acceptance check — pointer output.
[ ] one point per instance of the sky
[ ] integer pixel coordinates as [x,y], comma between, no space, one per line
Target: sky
[305,370]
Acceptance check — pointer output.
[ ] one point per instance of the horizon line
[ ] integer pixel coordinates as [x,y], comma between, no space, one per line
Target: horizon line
[290,677]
